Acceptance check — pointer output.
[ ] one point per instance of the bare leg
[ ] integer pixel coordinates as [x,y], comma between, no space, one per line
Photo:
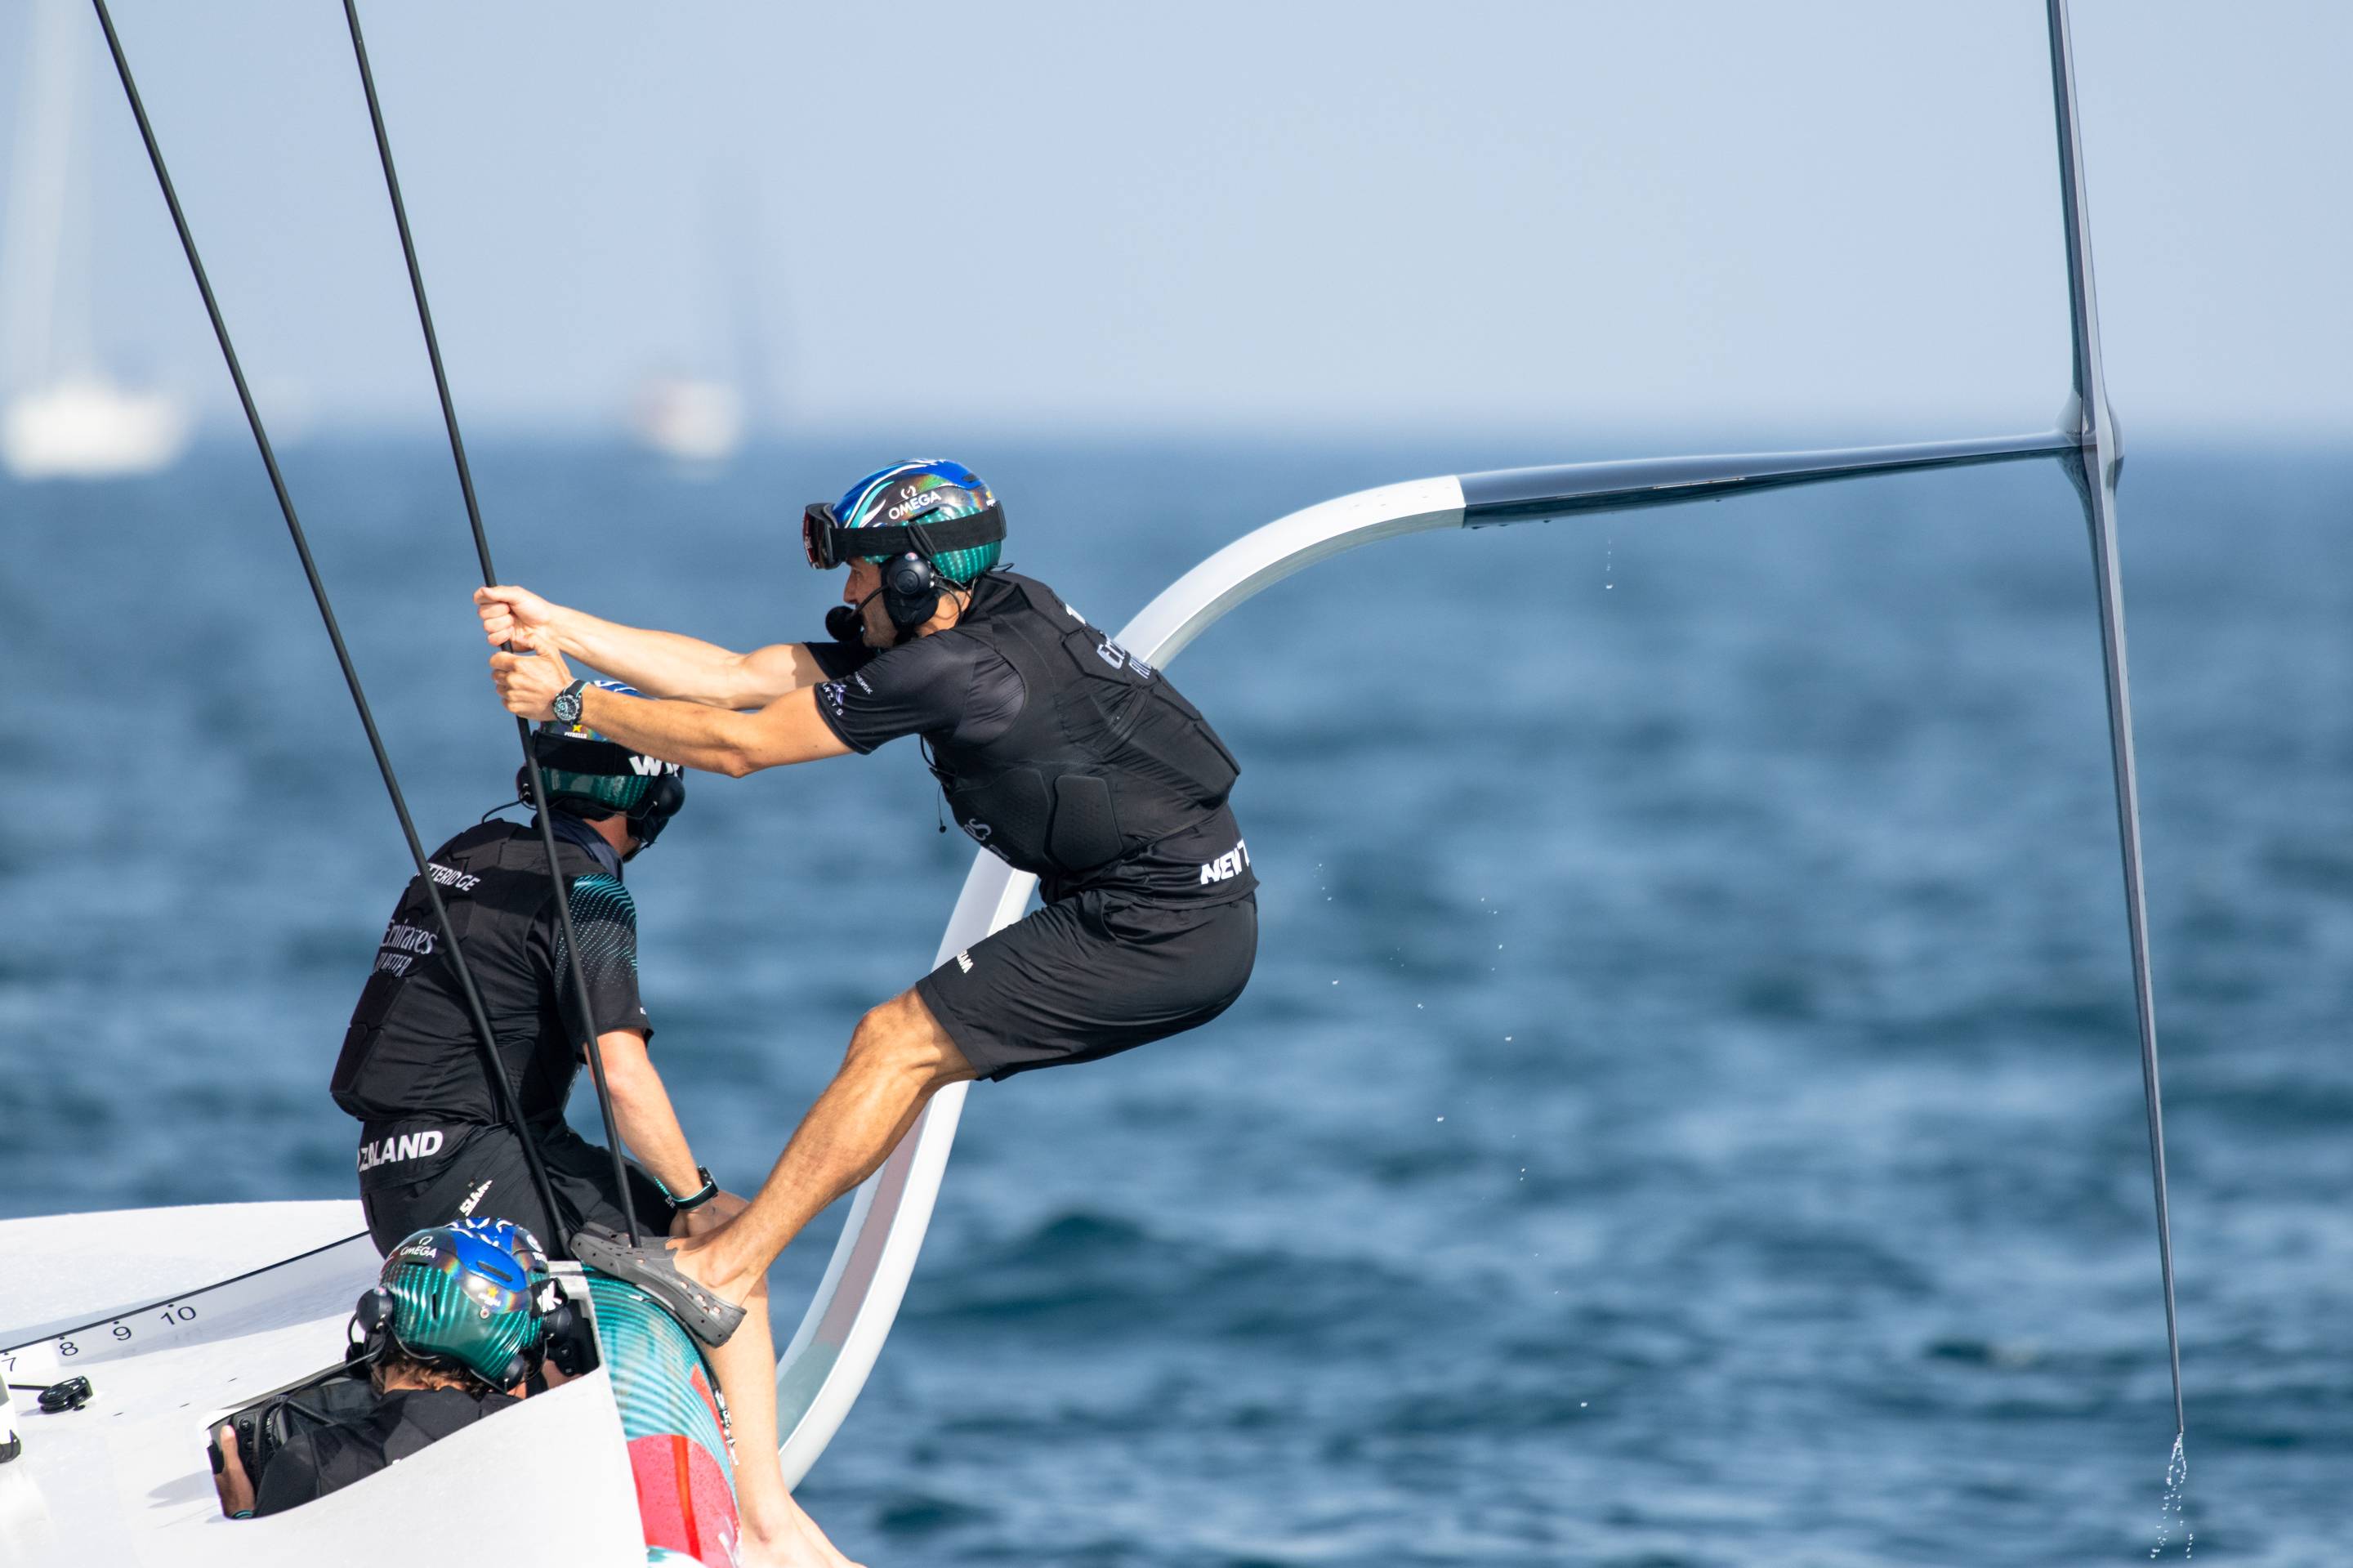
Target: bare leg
[898,1057]
[777,1533]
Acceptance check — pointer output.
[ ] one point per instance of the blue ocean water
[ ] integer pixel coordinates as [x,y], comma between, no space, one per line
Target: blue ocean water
[1687,1110]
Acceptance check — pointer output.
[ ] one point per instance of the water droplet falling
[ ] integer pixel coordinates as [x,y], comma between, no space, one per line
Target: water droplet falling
[2172,1509]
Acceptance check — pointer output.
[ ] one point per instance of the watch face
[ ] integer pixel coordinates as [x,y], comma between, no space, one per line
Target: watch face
[567,706]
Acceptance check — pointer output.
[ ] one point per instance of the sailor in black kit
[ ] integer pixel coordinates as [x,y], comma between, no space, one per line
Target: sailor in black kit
[433,1145]
[1056,749]
[433,1148]
[1066,757]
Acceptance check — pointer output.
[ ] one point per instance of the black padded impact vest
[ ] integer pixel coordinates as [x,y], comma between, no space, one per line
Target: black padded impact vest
[324,1454]
[410,1050]
[1108,775]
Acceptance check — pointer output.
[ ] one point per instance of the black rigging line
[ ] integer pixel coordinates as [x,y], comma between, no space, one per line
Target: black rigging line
[501,1088]
[592,1049]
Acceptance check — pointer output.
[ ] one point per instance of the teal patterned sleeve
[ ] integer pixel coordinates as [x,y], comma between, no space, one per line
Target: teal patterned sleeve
[605,918]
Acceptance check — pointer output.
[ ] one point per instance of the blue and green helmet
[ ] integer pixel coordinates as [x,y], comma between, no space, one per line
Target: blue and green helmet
[924,490]
[468,1296]
[588,769]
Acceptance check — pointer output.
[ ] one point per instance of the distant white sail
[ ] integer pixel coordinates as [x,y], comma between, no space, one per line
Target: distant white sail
[64,416]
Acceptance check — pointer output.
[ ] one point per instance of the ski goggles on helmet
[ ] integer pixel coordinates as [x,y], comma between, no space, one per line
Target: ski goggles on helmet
[831,545]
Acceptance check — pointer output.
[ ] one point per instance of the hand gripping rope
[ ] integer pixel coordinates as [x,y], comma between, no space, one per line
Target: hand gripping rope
[502,1090]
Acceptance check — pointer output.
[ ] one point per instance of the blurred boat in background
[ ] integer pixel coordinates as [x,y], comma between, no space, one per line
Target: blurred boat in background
[700,418]
[89,428]
[687,418]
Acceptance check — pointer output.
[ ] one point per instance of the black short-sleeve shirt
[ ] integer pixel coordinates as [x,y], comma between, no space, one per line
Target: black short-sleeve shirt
[411,1050]
[605,918]
[947,684]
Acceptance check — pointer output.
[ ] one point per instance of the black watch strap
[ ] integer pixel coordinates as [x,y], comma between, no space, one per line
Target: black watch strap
[568,697]
[696,1199]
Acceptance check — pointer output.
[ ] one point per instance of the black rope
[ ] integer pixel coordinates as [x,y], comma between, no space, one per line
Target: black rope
[483,1037]
[593,1050]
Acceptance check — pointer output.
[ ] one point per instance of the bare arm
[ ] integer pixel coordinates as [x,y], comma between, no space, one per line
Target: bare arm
[641,1110]
[716,740]
[231,1484]
[665,664]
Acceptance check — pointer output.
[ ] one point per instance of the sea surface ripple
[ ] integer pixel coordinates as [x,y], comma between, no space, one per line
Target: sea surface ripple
[1687,1112]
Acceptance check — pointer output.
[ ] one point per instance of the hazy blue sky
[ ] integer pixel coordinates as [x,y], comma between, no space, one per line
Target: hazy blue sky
[1831,217]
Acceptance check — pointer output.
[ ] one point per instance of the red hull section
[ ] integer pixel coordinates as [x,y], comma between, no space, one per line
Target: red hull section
[684,1499]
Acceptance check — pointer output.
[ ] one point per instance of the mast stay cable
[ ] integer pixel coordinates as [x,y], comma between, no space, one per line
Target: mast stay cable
[2093,467]
[483,1037]
[578,976]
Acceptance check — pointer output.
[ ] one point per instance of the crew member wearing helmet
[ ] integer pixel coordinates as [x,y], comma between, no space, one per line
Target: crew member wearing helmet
[456,1321]
[433,1144]
[1057,749]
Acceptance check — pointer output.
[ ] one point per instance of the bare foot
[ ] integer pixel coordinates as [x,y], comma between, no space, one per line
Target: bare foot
[795,1544]
[829,1554]
[787,1537]
[754,1550]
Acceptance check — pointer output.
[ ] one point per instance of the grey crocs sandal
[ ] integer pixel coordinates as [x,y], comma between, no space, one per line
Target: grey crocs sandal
[701,1310]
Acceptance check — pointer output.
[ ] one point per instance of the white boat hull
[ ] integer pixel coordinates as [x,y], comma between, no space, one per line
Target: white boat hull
[173,1331]
[90,429]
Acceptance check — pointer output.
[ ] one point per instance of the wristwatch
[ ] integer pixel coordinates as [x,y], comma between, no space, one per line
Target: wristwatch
[696,1199]
[566,705]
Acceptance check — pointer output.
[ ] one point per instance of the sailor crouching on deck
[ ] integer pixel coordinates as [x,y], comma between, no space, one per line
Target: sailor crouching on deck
[433,1148]
[1058,750]
[456,1320]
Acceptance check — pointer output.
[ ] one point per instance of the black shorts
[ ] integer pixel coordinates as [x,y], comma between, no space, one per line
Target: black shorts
[411,1186]
[1090,976]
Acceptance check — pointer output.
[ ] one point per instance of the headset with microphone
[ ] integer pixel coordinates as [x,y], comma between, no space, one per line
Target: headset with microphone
[911,583]
[443,1276]
[374,1311]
